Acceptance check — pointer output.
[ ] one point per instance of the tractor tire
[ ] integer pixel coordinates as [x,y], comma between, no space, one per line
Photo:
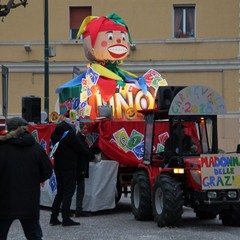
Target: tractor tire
[167,201]
[231,217]
[141,196]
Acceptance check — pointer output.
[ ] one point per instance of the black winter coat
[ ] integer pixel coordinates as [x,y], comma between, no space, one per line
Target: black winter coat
[23,166]
[68,153]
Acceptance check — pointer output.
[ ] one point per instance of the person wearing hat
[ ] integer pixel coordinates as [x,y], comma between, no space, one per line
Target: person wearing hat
[172,147]
[24,164]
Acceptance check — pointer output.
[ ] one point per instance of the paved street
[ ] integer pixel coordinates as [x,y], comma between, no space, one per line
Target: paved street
[119,224]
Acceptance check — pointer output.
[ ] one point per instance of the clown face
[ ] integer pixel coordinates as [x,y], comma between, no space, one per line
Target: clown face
[111,45]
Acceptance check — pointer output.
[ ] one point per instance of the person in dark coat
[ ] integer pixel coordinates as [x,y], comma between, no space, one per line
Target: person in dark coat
[188,146]
[24,164]
[82,170]
[67,157]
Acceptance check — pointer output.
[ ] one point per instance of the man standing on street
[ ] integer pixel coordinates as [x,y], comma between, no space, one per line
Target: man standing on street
[67,155]
[24,164]
[82,170]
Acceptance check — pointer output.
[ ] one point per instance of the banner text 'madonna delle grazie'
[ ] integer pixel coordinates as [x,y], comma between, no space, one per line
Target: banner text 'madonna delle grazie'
[220,171]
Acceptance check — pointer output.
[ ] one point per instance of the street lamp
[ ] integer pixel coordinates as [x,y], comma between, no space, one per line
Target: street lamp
[46,60]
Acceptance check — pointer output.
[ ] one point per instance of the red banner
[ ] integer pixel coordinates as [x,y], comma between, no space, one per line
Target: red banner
[122,141]
[42,134]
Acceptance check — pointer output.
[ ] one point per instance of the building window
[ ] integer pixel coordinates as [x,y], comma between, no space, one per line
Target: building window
[77,15]
[184,21]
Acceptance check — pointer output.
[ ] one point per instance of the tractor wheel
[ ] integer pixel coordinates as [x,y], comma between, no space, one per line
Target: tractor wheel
[231,217]
[141,196]
[167,200]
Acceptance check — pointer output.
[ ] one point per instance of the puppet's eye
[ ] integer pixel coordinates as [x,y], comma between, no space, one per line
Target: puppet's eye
[123,36]
[110,36]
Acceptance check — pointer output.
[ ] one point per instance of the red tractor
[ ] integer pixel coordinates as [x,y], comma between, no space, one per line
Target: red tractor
[208,181]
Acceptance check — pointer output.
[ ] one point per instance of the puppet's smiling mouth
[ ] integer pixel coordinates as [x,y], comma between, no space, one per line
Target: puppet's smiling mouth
[117,51]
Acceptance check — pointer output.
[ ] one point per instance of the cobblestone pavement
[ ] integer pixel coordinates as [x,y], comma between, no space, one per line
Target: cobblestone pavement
[119,224]
[101,225]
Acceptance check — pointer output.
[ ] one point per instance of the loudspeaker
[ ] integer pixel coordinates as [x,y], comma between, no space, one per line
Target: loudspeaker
[165,95]
[238,148]
[31,109]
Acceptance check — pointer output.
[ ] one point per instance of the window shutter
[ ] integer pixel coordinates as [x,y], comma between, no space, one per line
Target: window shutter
[77,15]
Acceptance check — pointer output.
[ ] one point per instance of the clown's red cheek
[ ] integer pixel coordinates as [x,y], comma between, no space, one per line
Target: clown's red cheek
[104,43]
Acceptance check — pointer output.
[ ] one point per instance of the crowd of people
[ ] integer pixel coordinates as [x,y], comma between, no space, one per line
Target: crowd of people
[24,164]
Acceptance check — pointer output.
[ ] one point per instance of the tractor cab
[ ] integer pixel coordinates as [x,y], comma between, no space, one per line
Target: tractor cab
[192,118]
[191,136]
[201,129]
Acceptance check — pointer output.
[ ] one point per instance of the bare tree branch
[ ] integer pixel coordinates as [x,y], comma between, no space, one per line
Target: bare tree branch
[5,8]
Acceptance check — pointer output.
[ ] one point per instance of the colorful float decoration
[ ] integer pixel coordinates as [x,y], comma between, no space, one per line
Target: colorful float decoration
[207,102]
[106,42]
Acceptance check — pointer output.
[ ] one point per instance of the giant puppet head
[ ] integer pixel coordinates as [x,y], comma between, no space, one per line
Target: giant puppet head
[105,38]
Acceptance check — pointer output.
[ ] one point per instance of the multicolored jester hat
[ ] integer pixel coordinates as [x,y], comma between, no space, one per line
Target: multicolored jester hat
[106,42]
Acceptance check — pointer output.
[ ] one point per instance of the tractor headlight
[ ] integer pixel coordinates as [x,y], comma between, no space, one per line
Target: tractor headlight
[178,170]
[232,194]
[212,194]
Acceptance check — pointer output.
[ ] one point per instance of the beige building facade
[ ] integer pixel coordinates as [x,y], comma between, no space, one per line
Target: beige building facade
[193,42]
